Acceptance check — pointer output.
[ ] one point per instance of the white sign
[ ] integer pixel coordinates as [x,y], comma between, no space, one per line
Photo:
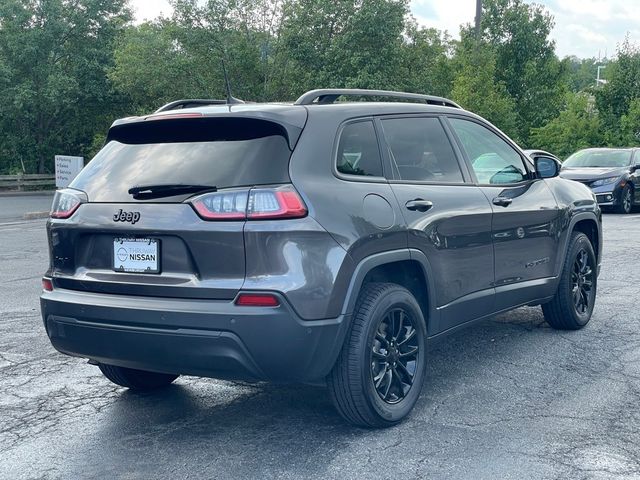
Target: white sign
[66,169]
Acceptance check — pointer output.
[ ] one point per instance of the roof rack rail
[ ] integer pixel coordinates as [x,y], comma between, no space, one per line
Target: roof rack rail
[187,103]
[325,96]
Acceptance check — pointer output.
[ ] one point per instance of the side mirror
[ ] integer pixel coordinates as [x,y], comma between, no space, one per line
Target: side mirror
[547,167]
[635,167]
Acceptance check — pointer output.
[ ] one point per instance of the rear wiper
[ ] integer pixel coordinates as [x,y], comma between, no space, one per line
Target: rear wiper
[145,192]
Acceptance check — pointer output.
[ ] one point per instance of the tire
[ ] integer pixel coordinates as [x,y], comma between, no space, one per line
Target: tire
[626,201]
[385,345]
[137,380]
[572,305]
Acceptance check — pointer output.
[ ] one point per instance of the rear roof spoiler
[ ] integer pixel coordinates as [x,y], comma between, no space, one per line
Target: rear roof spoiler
[291,123]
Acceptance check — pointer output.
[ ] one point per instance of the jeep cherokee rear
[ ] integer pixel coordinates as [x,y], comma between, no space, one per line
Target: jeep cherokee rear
[309,242]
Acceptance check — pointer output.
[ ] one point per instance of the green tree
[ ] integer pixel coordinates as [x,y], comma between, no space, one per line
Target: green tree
[53,59]
[577,126]
[151,68]
[475,87]
[426,61]
[615,99]
[240,33]
[630,125]
[525,60]
[343,43]
[182,57]
[276,49]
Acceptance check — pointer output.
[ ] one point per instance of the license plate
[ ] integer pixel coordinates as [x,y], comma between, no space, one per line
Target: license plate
[136,255]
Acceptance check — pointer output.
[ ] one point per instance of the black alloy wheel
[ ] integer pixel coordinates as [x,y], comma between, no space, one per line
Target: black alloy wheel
[582,283]
[626,200]
[395,355]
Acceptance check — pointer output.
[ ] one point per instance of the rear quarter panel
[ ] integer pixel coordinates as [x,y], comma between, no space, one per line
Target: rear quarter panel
[360,227]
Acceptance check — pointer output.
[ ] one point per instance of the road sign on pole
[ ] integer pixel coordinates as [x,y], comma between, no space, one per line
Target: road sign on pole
[66,169]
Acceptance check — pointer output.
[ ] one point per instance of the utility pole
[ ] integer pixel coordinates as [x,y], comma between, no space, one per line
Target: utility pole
[478,18]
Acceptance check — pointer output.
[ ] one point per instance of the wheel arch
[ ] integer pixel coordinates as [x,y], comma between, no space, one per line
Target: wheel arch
[587,223]
[408,268]
[590,228]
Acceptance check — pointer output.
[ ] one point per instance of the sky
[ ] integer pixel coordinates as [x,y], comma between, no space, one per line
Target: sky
[584,28]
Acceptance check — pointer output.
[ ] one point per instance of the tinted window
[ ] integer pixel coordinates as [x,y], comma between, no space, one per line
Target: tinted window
[493,160]
[421,150]
[200,153]
[599,158]
[358,152]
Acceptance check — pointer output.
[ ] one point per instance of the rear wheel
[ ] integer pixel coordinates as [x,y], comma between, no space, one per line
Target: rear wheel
[138,380]
[626,200]
[572,306]
[380,371]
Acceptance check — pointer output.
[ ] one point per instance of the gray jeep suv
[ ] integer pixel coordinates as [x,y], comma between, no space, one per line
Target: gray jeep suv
[321,241]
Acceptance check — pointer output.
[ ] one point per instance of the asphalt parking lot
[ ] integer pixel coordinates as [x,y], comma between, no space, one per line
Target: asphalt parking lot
[507,398]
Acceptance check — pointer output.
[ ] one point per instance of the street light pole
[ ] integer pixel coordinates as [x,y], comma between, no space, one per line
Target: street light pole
[600,81]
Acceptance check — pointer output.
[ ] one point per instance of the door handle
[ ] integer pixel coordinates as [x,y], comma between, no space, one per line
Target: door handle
[419,205]
[502,201]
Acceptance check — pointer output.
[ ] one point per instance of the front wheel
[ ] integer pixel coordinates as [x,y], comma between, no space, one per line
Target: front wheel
[380,371]
[572,305]
[626,200]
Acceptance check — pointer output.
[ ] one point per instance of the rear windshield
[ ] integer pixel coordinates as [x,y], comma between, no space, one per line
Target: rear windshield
[599,158]
[218,153]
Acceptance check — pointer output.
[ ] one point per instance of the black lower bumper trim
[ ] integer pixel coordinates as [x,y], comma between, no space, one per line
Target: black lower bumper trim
[203,353]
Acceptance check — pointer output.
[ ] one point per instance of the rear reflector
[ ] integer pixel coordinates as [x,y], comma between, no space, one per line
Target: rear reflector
[47,285]
[255,204]
[257,300]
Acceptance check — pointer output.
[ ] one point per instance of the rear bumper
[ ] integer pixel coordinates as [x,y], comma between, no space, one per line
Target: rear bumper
[193,337]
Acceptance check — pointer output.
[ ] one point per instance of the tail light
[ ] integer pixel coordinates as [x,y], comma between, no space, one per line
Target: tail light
[230,205]
[66,202]
[254,204]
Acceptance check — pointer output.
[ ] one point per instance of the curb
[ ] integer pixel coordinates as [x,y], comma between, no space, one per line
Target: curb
[35,215]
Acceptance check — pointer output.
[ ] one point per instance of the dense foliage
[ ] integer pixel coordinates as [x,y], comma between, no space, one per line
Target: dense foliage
[69,67]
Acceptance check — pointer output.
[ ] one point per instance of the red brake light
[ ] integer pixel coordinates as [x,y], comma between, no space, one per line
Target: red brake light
[47,285]
[255,204]
[66,202]
[257,300]
[173,116]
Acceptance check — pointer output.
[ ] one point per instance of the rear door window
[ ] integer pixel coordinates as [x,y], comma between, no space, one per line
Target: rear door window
[215,152]
[358,150]
[420,150]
